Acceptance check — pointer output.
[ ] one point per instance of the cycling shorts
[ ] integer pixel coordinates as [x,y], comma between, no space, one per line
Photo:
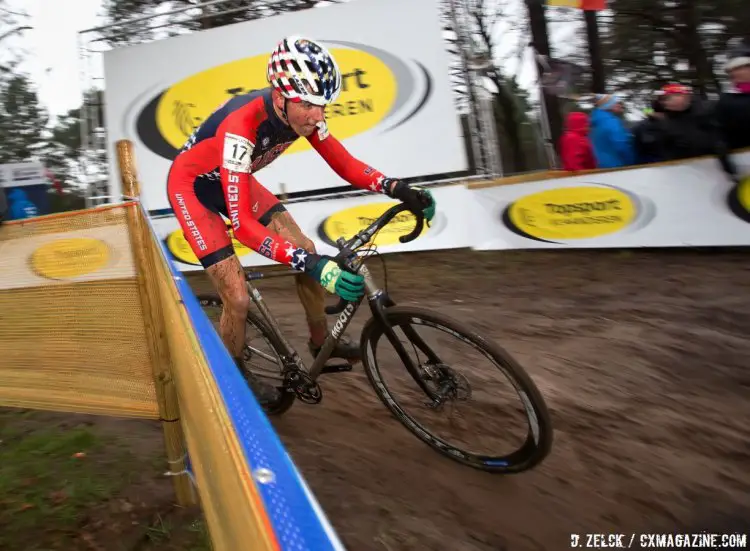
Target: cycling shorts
[199,206]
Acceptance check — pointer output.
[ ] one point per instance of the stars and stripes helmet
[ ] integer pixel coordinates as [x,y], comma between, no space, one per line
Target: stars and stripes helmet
[303,70]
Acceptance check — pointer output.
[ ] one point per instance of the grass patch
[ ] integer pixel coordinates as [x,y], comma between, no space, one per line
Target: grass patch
[177,534]
[56,476]
[47,480]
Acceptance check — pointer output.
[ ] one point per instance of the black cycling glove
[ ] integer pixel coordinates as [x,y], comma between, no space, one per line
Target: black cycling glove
[416,199]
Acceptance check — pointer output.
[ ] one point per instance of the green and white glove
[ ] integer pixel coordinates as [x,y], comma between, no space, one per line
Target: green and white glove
[333,279]
[414,197]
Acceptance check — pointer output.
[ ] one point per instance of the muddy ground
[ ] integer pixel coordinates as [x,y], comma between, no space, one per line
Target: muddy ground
[642,357]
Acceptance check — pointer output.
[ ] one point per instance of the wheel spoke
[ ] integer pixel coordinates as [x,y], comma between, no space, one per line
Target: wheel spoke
[255,352]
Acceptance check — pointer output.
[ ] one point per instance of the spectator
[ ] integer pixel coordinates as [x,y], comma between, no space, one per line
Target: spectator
[20,205]
[647,139]
[575,147]
[689,128]
[612,142]
[733,107]
[3,204]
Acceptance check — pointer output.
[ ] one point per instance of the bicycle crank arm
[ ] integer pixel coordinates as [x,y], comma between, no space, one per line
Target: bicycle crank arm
[307,390]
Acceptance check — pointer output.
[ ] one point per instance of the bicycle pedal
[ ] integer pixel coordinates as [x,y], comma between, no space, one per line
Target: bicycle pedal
[336,368]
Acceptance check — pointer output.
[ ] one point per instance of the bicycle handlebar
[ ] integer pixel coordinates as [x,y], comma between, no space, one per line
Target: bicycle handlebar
[346,248]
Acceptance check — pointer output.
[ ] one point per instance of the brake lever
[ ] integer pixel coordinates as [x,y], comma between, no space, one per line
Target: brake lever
[416,231]
[424,199]
[343,259]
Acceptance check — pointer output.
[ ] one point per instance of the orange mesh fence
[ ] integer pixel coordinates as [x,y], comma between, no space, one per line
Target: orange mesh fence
[71,324]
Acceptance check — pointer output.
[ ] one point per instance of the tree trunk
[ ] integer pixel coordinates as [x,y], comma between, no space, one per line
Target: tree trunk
[511,127]
[206,21]
[598,78]
[696,54]
[540,43]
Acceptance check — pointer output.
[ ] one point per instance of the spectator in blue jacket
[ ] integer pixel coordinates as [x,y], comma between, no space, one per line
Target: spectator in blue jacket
[612,141]
[20,205]
[3,204]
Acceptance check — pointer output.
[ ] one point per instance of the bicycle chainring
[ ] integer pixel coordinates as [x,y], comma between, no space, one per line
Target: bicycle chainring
[307,390]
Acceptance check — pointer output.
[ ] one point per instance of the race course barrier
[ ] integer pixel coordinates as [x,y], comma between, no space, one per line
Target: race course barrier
[94,318]
[677,204]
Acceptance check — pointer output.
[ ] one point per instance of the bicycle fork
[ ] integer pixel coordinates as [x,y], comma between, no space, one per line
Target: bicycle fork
[379,301]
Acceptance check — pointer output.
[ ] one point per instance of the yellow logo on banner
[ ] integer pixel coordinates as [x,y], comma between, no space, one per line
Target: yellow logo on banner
[347,222]
[70,258]
[368,92]
[564,3]
[180,248]
[743,193]
[739,199]
[571,213]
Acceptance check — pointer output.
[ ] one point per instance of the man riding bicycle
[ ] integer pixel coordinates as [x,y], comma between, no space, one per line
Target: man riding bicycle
[213,175]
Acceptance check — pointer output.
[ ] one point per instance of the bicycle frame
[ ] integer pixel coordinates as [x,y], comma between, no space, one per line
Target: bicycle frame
[338,329]
[378,300]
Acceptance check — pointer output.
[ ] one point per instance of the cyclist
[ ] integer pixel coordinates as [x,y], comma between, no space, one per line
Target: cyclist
[213,175]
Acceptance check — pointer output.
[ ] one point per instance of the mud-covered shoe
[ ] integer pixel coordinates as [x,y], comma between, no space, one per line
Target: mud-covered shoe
[265,393]
[345,349]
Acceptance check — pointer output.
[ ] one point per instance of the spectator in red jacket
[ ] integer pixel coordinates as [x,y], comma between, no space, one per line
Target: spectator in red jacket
[575,148]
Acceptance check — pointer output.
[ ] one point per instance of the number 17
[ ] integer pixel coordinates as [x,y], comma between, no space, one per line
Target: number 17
[242,155]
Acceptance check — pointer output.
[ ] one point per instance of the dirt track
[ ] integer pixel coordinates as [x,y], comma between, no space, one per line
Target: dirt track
[642,358]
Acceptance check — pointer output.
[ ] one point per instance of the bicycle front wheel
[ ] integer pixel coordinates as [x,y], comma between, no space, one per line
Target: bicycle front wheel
[468,399]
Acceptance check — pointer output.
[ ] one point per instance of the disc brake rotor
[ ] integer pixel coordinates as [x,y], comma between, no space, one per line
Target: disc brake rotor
[448,384]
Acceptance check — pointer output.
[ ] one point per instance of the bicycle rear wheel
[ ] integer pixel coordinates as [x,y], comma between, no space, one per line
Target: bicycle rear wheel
[262,353]
[446,374]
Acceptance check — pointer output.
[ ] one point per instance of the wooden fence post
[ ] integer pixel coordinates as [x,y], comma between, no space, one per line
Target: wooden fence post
[153,317]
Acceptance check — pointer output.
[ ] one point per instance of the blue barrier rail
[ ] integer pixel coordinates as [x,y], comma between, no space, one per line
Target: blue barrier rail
[297,519]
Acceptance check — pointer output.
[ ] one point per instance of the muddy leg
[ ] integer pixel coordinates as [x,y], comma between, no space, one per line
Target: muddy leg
[229,280]
[311,294]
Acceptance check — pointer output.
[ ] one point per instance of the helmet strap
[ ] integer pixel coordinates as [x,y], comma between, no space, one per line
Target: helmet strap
[283,111]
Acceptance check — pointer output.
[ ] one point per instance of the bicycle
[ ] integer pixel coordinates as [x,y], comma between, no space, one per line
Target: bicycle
[437,381]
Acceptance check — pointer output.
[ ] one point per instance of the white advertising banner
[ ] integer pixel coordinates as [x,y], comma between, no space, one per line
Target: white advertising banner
[396,111]
[687,205]
[691,204]
[30,173]
[327,220]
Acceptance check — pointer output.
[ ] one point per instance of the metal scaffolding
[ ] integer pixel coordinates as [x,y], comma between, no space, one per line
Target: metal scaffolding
[92,43]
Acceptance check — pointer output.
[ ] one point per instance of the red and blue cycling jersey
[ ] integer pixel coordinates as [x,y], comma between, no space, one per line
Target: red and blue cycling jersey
[213,175]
